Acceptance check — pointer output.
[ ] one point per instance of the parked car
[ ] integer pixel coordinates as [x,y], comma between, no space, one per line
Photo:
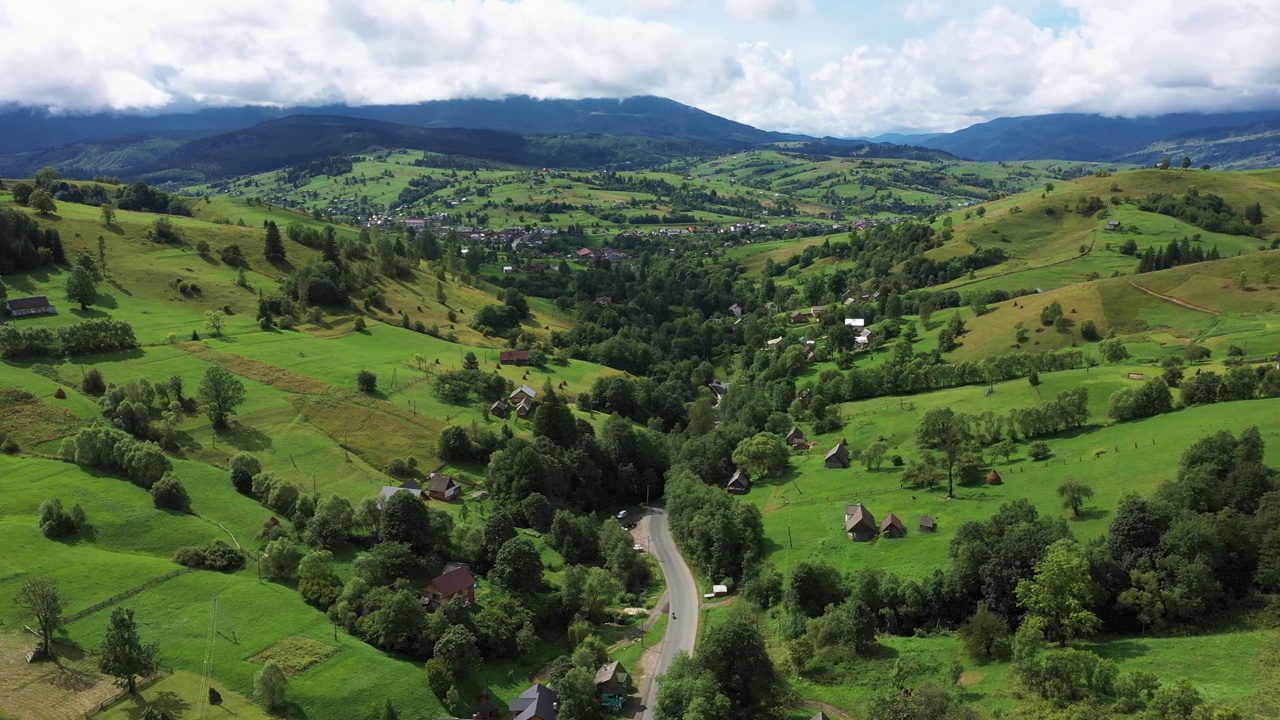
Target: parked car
[621,514]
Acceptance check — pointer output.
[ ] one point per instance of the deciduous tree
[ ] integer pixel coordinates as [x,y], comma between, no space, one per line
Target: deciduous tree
[39,597]
[81,288]
[761,453]
[220,392]
[271,685]
[1060,593]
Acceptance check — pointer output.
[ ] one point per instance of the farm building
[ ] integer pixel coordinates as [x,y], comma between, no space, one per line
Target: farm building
[442,487]
[773,343]
[410,486]
[613,685]
[537,703]
[500,409]
[892,527]
[524,392]
[719,387]
[993,478]
[795,438]
[736,309]
[799,316]
[859,524]
[455,583]
[31,305]
[524,410]
[838,457]
[1114,226]
[928,524]
[739,483]
[514,357]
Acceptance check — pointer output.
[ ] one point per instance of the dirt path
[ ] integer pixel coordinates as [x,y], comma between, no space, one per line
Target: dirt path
[1174,300]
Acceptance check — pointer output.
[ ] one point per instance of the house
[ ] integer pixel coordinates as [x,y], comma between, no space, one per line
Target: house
[507,269]
[604,301]
[795,438]
[810,355]
[993,478]
[442,487]
[928,524]
[817,310]
[410,486]
[799,316]
[585,254]
[514,357]
[855,322]
[736,309]
[739,483]
[500,409]
[613,680]
[524,392]
[848,302]
[537,703]
[858,523]
[838,457]
[455,583]
[525,409]
[31,305]
[1114,226]
[892,527]
[719,387]
[775,342]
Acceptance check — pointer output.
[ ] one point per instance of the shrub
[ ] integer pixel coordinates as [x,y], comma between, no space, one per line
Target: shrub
[217,556]
[55,522]
[1039,451]
[168,493]
[367,381]
[93,384]
[358,324]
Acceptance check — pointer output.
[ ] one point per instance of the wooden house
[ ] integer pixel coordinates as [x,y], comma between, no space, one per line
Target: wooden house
[795,438]
[455,583]
[524,410]
[859,524]
[31,305]
[800,316]
[442,487]
[613,685]
[524,392]
[838,456]
[739,483]
[514,357]
[892,527]
[500,409]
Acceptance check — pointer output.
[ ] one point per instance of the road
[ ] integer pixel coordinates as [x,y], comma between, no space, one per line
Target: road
[682,599]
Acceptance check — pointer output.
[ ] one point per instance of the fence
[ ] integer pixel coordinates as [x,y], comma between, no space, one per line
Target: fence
[124,595]
[142,684]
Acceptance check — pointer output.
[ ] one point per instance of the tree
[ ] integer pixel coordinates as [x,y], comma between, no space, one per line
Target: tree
[406,520]
[108,214]
[1112,350]
[1186,162]
[873,454]
[1074,494]
[456,648]
[735,656]
[517,568]
[761,453]
[273,248]
[1005,448]
[1039,451]
[220,392]
[81,288]
[1253,214]
[39,597]
[270,685]
[1196,352]
[331,524]
[470,362]
[42,202]
[168,493]
[232,255]
[1060,593]
[367,382]
[984,634]
[554,420]
[279,559]
[123,655]
[577,691]
[1050,313]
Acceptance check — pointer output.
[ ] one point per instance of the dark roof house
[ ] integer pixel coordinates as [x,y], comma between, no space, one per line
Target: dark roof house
[501,409]
[442,487]
[458,582]
[613,679]
[537,703]
[31,305]
[892,527]
[739,483]
[796,438]
[524,409]
[859,524]
[838,456]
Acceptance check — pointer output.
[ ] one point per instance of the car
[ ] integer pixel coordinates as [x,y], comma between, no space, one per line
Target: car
[638,547]
[621,514]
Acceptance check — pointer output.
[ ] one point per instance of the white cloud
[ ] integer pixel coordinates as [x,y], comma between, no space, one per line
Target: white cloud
[1133,57]
[767,10]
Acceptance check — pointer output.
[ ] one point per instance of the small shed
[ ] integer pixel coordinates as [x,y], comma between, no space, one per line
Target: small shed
[928,524]
[892,527]
[739,483]
[838,456]
[993,478]
[795,438]
[514,357]
[525,409]
[800,316]
[859,524]
[1114,226]
[500,409]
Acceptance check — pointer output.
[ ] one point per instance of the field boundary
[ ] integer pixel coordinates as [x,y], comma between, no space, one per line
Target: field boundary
[114,700]
[1174,300]
[125,595]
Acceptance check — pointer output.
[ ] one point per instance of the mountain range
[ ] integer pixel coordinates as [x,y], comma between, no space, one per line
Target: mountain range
[624,133]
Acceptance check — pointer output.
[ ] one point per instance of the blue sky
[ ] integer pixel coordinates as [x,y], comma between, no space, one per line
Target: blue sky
[826,67]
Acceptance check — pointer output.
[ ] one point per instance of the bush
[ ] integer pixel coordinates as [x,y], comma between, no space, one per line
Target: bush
[358,324]
[367,381]
[55,522]
[168,493]
[1039,451]
[217,556]
[93,384]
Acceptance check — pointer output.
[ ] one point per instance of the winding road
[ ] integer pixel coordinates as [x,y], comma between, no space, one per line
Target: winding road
[682,601]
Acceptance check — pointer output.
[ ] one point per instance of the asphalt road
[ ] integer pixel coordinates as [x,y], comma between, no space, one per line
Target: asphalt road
[683,601]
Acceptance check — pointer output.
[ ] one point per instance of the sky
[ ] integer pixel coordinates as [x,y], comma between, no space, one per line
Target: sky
[843,68]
